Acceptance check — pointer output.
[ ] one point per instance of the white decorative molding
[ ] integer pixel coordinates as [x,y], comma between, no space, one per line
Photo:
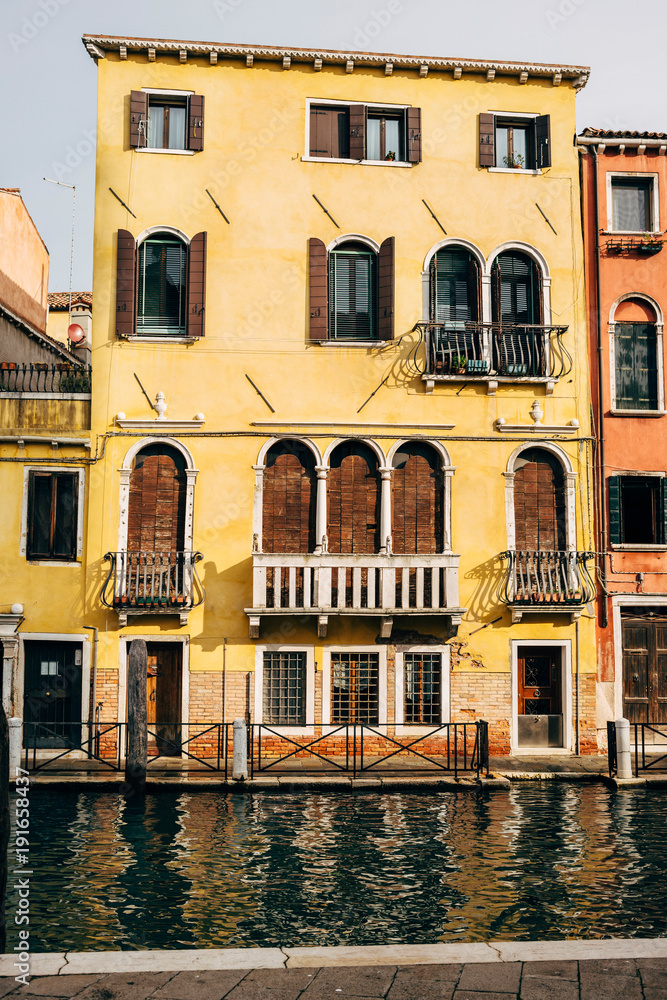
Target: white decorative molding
[160,422]
[214,58]
[537,427]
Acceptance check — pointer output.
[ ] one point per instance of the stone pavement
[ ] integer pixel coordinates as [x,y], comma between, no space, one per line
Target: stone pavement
[591,979]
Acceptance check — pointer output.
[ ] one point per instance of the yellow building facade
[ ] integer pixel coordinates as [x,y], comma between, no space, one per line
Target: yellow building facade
[340,412]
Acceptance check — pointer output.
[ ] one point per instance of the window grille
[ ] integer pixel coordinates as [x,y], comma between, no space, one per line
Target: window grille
[423,684]
[284,688]
[354,687]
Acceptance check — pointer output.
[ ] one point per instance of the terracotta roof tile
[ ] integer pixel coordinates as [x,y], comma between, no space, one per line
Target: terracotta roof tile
[60,300]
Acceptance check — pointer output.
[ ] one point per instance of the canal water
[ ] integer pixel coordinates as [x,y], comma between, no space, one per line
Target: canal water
[206,870]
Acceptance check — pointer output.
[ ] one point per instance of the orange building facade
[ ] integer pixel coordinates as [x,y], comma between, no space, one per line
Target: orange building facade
[624,206]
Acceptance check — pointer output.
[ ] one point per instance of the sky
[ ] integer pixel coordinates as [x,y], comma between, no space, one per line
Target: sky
[49,131]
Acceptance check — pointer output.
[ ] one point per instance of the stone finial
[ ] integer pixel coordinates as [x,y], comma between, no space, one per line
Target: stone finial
[160,406]
[536,412]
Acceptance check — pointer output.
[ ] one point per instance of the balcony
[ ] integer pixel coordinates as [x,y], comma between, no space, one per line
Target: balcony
[546,582]
[50,397]
[152,583]
[361,585]
[494,353]
[42,378]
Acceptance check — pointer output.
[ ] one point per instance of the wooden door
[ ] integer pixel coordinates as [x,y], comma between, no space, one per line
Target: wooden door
[645,670]
[164,688]
[52,695]
[540,680]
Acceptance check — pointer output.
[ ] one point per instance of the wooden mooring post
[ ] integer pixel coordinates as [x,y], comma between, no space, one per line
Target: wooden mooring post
[136,751]
[4,823]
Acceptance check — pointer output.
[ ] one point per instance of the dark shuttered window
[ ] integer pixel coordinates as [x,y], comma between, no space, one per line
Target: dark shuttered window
[637,510]
[514,143]
[353,288]
[161,307]
[516,289]
[454,286]
[52,515]
[636,366]
[360,132]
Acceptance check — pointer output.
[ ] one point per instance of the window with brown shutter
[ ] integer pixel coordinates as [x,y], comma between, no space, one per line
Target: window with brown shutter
[330,131]
[353,499]
[288,501]
[138,119]
[359,132]
[196,123]
[156,509]
[539,502]
[319,312]
[514,142]
[386,290]
[413,136]
[417,500]
[166,120]
[125,283]
[52,515]
[196,286]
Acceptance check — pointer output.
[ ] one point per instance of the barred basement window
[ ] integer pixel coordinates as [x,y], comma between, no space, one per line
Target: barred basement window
[354,687]
[423,684]
[284,688]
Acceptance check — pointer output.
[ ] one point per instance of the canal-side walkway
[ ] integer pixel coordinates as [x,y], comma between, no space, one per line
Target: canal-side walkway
[559,970]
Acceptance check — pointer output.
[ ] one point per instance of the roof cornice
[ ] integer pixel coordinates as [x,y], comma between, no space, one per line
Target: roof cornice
[98,45]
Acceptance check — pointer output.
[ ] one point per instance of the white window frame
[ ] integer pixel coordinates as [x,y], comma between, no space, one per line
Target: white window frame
[655,201]
[23,545]
[327,724]
[399,676]
[528,116]
[324,102]
[258,714]
[567,695]
[187,94]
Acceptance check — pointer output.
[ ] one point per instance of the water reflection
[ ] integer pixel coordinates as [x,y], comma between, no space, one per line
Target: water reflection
[206,870]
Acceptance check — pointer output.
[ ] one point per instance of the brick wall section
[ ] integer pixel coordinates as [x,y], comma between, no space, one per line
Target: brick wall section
[539,503]
[288,504]
[417,502]
[588,735]
[353,495]
[486,696]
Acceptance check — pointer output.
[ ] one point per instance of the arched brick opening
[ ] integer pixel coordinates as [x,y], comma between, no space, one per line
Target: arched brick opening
[288,502]
[353,520]
[417,500]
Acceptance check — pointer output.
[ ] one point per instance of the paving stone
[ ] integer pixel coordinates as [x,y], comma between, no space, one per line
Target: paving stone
[200,985]
[369,981]
[293,979]
[7,985]
[116,986]
[652,994]
[503,978]
[653,972]
[608,966]
[552,988]
[411,989]
[429,973]
[547,970]
[252,991]
[608,987]
[470,995]
[57,986]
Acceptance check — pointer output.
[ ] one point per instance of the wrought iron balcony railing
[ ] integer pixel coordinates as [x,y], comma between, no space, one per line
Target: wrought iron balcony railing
[495,350]
[549,580]
[150,583]
[65,378]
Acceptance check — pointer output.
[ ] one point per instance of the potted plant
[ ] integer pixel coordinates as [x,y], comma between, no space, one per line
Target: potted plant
[650,244]
[391,155]
[8,366]
[458,364]
[514,162]
[39,366]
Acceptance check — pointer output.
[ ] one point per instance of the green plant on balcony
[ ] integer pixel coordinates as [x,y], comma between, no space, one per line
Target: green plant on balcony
[515,162]
[458,364]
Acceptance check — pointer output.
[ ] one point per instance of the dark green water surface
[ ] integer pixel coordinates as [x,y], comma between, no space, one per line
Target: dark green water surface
[201,869]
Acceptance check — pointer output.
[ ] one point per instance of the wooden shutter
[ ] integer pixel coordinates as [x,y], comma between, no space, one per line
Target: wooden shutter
[414,135]
[662,515]
[196,123]
[319,327]
[386,290]
[542,141]
[358,132]
[487,140]
[138,119]
[125,284]
[474,289]
[196,286]
[615,510]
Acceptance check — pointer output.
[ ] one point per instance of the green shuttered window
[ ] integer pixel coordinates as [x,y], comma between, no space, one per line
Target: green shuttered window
[353,293]
[638,510]
[454,286]
[162,288]
[636,366]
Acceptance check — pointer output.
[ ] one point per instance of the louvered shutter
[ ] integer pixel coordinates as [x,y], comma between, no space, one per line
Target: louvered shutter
[487,140]
[125,284]
[196,123]
[495,293]
[542,141]
[196,286]
[138,119]
[386,290]
[615,510]
[414,135]
[353,298]
[474,289]
[319,326]
[662,518]
[358,132]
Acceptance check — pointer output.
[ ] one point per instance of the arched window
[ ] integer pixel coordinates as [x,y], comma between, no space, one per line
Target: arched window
[156,508]
[517,289]
[353,488]
[288,505]
[635,356]
[417,500]
[539,502]
[161,278]
[454,286]
[353,292]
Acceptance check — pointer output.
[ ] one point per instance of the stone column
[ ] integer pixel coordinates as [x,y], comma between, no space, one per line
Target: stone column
[10,675]
[385,510]
[321,508]
[257,508]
